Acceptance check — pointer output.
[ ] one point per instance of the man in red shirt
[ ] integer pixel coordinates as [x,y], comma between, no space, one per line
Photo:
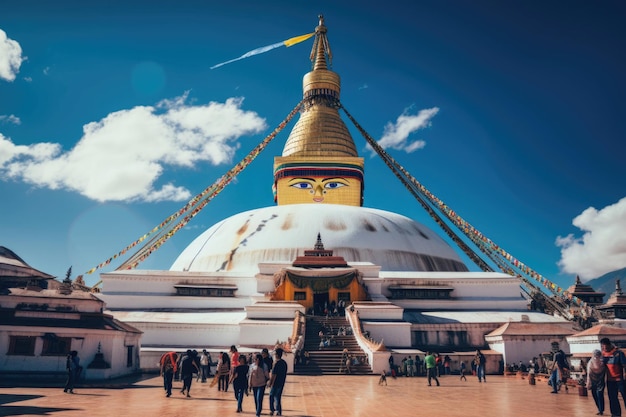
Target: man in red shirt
[615,362]
[169,367]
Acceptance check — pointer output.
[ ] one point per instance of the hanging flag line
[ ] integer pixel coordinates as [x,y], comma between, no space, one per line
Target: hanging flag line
[483,243]
[167,229]
[289,42]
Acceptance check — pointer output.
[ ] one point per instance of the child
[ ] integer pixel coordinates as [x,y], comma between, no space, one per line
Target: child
[383,378]
[463,371]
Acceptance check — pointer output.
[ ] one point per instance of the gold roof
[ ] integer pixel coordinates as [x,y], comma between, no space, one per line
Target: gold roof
[320,130]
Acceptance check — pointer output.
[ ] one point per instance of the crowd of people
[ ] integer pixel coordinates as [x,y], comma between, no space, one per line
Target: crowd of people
[247,374]
[435,365]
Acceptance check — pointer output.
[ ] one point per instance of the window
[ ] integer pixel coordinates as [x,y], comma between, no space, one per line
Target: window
[22,345]
[299,295]
[343,296]
[200,291]
[129,356]
[55,346]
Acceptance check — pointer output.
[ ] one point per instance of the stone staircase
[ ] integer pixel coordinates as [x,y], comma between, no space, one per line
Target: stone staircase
[327,360]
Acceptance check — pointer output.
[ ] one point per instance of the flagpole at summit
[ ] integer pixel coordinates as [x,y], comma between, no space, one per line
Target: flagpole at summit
[289,42]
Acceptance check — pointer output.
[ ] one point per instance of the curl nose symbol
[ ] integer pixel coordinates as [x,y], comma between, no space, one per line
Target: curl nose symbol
[318,195]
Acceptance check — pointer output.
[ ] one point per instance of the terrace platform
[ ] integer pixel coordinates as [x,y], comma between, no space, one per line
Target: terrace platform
[306,396]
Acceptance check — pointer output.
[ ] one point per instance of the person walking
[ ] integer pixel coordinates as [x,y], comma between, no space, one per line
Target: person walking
[596,373]
[480,361]
[222,372]
[614,360]
[188,364]
[257,382]
[559,371]
[72,366]
[267,360]
[205,362]
[277,383]
[431,368]
[169,366]
[239,379]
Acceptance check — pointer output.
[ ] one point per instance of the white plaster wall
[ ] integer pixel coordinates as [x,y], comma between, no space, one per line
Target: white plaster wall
[186,335]
[397,334]
[477,304]
[162,282]
[524,348]
[261,332]
[147,301]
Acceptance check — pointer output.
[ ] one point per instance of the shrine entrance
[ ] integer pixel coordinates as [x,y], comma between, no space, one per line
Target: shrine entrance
[319,300]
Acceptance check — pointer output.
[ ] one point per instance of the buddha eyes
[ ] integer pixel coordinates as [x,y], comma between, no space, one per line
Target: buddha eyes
[302,185]
[334,185]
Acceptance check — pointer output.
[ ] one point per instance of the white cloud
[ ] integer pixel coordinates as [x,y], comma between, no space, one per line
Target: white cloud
[121,157]
[11,118]
[602,248]
[396,135]
[10,57]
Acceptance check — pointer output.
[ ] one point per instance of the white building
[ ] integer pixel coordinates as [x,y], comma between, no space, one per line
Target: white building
[41,322]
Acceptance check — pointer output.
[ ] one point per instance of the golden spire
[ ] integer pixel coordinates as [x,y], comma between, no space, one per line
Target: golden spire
[320,130]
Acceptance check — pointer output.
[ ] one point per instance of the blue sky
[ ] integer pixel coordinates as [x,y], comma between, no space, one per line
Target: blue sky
[512,113]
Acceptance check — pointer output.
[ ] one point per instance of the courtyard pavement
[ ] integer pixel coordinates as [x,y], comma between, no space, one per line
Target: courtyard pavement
[304,396]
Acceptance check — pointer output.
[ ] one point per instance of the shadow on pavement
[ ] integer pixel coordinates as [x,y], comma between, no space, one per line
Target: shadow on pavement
[14,410]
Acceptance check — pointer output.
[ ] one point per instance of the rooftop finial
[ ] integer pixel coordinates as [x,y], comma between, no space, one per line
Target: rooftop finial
[319,245]
[320,53]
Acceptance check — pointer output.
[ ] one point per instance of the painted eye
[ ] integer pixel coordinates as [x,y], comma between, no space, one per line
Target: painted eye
[334,185]
[301,185]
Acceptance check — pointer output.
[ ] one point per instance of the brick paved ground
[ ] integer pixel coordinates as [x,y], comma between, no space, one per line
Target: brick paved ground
[319,396]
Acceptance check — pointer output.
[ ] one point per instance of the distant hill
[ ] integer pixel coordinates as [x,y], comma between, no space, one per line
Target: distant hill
[606,283]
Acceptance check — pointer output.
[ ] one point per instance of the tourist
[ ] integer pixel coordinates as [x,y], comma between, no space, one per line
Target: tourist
[187,365]
[410,367]
[72,366]
[418,366]
[223,371]
[479,362]
[277,383]
[234,358]
[439,363]
[559,371]
[431,368]
[391,363]
[258,378]
[239,379]
[267,360]
[446,364]
[169,366]
[344,357]
[196,359]
[614,360]
[462,371]
[596,372]
[205,363]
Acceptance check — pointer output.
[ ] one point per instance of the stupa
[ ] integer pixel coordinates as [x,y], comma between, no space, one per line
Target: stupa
[241,281]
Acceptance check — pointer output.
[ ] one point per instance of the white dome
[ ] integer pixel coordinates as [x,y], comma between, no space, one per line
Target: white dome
[281,233]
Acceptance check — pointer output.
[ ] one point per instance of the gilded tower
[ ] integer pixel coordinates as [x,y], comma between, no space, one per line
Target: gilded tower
[319,163]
